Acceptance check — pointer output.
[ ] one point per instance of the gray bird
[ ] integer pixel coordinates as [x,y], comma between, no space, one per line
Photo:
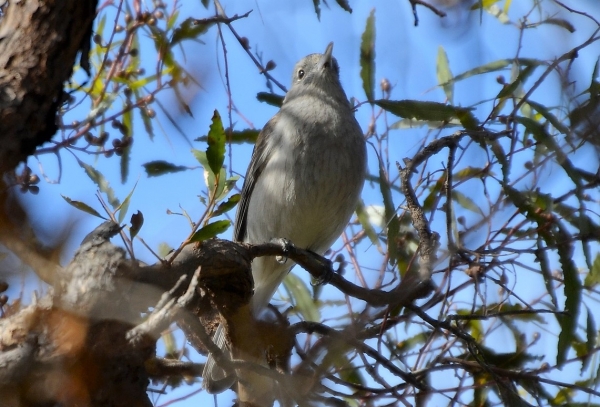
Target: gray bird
[303,183]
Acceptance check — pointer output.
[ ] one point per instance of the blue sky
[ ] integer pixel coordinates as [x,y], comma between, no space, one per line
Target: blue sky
[285,32]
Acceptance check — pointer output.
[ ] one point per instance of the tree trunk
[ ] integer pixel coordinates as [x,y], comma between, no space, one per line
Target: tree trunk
[39,41]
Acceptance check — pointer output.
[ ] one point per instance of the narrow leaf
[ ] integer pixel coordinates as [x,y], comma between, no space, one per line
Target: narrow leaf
[227,205]
[392,225]
[363,219]
[593,277]
[97,177]
[160,167]
[495,66]
[300,293]
[432,111]
[211,230]
[317,9]
[542,258]
[83,207]
[367,57]
[572,291]
[591,333]
[124,163]
[189,29]
[560,23]
[543,110]
[508,90]
[125,205]
[237,136]
[215,153]
[466,202]
[483,4]
[444,75]
[344,4]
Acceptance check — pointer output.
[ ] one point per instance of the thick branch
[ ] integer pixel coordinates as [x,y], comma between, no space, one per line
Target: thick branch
[38,46]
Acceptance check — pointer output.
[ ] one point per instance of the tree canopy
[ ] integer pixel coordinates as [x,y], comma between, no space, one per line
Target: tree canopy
[469,274]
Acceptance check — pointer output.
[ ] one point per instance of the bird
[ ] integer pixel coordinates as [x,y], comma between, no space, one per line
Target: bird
[303,183]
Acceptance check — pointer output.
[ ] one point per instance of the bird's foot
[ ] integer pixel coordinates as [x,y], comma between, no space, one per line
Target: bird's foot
[329,270]
[285,246]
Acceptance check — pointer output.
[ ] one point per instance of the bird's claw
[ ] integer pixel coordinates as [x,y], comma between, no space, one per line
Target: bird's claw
[324,278]
[285,246]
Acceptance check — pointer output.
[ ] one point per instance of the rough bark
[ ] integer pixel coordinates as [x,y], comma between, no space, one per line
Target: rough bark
[39,41]
[86,344]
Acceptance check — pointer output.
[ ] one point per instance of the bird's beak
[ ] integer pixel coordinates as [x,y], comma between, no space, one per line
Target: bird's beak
[326,57]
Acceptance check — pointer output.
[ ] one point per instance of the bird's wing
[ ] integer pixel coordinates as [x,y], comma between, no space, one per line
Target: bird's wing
[259,159]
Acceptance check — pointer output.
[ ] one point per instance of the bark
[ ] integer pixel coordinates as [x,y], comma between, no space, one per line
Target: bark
[91,340]
[39,41]
[86,342]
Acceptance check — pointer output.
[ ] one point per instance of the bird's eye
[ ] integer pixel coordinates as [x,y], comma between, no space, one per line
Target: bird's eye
[301,74]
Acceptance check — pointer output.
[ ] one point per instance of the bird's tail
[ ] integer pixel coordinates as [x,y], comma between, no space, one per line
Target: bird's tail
[215,379]
[268,274]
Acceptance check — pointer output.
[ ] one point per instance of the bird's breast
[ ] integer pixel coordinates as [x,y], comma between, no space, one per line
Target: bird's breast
[312,179]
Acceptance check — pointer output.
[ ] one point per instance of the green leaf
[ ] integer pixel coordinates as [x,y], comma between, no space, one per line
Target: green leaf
[200,156]
[367,57]
[541,136]
[494,67]
[541,109]
[508,90]
[164,249]
[483,4]
[472,172]
[591,333]
[126,156]
[124,164]
[237,137]
[444,75]
[572,290]
[300,293]
[100,27]
[363,219]
[415,124]
[408,344]
[215,153]
[227,205]
[211,230]
[191,28]
[542,258]
[97,177]
[82,207]
[433,197]
[217,184]
[432,111]
[172,20]
[141,82]
[270,98]
[213,184]
[227,186]
[466,202]
[125,205]
[392,225]
[160,167]
[147,123]
[593,277]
